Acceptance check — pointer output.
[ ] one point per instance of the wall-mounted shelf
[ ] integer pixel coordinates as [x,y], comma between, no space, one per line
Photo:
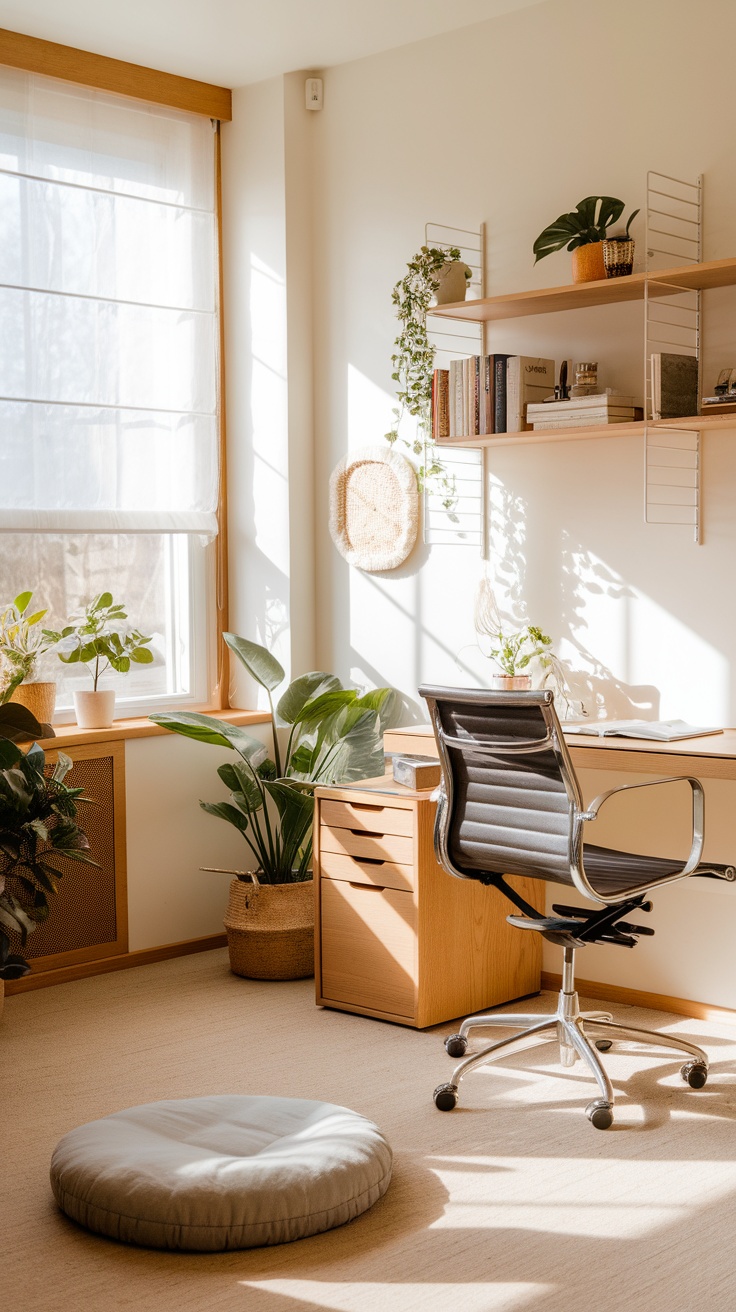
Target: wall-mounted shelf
[694,424]
[583,295]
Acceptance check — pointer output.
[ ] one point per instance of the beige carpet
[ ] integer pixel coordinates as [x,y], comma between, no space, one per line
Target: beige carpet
[512,1202]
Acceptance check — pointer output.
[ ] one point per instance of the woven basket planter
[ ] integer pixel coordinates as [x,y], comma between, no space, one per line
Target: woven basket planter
[270,930]
[38,698]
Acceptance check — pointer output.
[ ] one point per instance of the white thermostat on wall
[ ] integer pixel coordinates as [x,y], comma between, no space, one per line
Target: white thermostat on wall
[313,91]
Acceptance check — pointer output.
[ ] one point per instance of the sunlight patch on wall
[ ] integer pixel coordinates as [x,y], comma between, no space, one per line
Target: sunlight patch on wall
[369,410]
[268,405]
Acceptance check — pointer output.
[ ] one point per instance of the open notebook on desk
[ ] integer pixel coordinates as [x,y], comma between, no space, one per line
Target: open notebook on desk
[660,731]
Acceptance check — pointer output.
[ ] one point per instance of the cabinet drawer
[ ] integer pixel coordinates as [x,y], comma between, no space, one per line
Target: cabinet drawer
[386,874]
[368,947]
[378,847]
[373,819]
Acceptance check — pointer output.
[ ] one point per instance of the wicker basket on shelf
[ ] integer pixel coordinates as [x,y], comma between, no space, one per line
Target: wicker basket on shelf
[618,256]
[270,929]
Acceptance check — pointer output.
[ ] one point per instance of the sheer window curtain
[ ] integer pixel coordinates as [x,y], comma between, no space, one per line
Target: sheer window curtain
[108,364]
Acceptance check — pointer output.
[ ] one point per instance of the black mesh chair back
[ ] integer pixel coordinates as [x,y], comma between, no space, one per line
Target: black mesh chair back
[509,784]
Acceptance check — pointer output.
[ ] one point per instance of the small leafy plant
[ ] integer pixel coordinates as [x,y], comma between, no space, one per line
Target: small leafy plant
[333,735]
[21,643]
[37,827]
[98,637]
[515,650]
[413,362]
[588,222]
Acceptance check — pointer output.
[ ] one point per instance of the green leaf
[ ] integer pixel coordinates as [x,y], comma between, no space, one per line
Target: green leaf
[207,729]
[260,664]
[225,811]
[325,704]
[9,754]
[302,691]
[142,655]
[103,601]
[22,600]
[239,780]
[386,702]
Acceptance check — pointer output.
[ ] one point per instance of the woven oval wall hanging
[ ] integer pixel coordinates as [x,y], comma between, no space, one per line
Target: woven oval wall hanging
[374,508]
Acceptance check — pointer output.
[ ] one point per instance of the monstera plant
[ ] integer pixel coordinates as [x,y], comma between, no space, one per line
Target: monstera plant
[330,734]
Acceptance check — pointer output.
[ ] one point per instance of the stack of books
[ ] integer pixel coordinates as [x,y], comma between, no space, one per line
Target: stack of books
[584,412]
[719,405]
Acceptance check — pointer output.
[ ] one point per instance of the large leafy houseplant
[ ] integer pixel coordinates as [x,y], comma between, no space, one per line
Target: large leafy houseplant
[413,362]
[37,828]
[332,735]
[587,223]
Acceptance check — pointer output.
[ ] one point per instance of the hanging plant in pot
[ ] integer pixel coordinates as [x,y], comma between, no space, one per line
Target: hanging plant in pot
[583,231]
[332,735]
[99,638]
[438,274]
[22,643]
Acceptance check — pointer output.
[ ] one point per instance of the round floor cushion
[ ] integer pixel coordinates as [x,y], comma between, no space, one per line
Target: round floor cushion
[207,1174]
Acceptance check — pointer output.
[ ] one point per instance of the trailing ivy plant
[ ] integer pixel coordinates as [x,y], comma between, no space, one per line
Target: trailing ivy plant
[413,364]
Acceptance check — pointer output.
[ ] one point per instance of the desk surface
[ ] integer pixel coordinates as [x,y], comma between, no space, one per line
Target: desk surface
[711,756]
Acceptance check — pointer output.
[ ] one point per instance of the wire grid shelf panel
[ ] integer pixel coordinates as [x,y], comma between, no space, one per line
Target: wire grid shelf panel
[672,477]
[672,325]
[464,523]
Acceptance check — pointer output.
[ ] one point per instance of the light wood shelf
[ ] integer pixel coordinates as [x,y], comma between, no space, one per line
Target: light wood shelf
[695,423]
[583,295]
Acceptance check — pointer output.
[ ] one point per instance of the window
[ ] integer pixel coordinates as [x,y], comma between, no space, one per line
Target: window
[109,407]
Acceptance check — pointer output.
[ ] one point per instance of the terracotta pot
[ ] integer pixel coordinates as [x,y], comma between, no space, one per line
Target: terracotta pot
[511,683]
[587,262]
[38,698]
[452,282]
[95,710]
[270,930]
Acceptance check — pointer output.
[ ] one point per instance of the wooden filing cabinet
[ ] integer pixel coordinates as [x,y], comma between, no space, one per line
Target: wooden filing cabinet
[396,936]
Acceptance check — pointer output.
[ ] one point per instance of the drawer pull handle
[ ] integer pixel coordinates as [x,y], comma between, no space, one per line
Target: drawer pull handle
[367,833]
[375,888]
[368,861]
[364,806]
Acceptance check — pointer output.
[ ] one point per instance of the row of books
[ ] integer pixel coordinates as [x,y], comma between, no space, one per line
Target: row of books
[486,394]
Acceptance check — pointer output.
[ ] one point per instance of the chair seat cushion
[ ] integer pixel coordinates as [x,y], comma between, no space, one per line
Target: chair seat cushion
[230,1171]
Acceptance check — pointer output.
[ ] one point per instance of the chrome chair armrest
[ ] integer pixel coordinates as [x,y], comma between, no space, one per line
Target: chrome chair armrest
[582,818]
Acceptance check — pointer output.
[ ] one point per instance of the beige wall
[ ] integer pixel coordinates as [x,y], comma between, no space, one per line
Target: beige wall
[508,123]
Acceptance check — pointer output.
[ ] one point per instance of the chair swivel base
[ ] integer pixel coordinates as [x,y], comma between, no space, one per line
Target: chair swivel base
[576,1033]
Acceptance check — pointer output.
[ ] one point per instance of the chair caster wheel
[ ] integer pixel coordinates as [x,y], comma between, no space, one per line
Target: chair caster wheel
[694,1074]
[445,1097]
[600,1114]
[456,1045]
[603,1045]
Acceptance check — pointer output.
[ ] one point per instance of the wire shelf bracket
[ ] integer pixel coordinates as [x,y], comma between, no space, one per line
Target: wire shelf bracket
[464,523]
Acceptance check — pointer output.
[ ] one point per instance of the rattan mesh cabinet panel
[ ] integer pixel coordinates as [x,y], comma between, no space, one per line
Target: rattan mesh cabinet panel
[89,914]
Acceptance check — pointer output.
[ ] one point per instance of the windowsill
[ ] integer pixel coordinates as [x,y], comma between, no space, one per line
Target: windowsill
[70,735]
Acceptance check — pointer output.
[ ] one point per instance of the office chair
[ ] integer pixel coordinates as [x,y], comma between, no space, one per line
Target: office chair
[510,804]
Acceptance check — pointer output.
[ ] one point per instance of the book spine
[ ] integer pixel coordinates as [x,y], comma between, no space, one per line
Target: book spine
[499,393]
[487,404]
[444,403]
[513,420]
[465,420]
[476,394]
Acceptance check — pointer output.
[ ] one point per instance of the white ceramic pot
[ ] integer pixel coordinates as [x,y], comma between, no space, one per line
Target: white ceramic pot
[451,282]
[511,683]
[94,710]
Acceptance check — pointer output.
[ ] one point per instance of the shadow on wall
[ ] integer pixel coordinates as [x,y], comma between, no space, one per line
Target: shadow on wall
[579,578]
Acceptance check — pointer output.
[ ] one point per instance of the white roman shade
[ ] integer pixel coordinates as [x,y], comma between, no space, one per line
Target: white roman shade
[108,313]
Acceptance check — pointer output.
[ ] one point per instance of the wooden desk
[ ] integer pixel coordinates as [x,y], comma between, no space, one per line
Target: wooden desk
[395,937]
[711,757]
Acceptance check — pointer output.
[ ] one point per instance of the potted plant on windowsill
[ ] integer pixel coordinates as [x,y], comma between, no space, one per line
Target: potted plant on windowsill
[22,642]
[332,734]
[583,231]
[99,638]
[37,827]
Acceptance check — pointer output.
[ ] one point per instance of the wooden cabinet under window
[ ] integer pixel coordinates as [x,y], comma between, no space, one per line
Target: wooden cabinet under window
[396,936]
